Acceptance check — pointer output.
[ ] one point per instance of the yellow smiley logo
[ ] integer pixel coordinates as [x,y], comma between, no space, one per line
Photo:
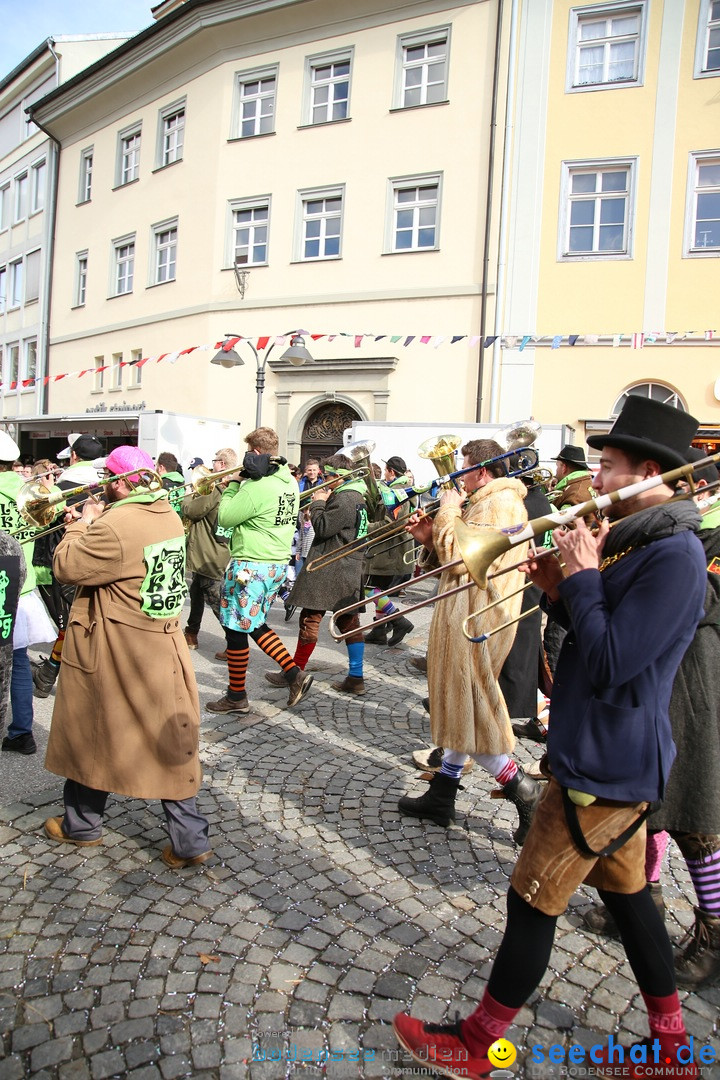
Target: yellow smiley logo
[502,1053]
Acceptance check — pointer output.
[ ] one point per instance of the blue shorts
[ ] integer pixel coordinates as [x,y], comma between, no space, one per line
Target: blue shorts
[248,590]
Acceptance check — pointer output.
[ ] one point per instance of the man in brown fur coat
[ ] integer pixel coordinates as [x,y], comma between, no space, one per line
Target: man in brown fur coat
[467,710]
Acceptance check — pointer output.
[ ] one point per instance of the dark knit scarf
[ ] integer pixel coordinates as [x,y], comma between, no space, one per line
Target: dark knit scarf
[650,524]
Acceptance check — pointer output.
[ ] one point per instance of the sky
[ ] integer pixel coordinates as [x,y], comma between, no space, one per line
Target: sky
[26,23]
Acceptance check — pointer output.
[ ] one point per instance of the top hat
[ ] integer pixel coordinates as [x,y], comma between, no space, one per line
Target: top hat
[655,431]
[397,464]
[573,455]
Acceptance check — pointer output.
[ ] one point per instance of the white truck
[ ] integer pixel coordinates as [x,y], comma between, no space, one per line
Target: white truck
[404,440]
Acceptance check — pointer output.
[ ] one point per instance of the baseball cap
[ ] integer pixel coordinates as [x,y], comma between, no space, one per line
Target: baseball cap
[64,454]
[195,462]
[87,447]
[396,464]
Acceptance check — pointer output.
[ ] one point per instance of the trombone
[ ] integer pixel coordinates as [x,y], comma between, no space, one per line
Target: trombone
[479,548]
[346,478]
[37,506]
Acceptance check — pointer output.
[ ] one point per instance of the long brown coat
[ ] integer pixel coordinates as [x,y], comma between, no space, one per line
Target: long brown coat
[467,709]
[126,713]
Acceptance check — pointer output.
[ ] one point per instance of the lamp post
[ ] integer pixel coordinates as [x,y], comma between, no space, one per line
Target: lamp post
[227,357]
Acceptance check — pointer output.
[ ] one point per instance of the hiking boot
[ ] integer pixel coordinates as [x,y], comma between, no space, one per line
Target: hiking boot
[191,638]
[276,678]
[54,831]
[699,963]
[419,662]
[351,684]
[440,1047]
[177,862]
[525,793]
[298,687]
[531,729]
[598,919]
[225,705]
[400,628]
[377,636]
[44,676]
[431,760]
[221,655]
[21,744]
[437,804]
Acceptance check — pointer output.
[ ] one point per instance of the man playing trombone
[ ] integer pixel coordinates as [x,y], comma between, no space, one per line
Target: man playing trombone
[468,715]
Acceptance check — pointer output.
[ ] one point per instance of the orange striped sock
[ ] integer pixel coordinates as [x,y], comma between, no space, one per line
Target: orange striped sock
[237,661]
[57,649]
[273,647]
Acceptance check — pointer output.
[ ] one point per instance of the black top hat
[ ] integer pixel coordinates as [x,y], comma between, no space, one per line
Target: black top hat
[573,455]
[657,432]
[708,473]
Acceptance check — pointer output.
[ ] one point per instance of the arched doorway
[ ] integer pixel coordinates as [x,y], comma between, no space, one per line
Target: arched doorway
[323,430]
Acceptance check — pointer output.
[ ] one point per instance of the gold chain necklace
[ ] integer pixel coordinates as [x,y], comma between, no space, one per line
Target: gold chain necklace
[614,558]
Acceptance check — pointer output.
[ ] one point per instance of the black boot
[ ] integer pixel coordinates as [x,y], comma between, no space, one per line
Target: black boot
[400,628]
[598,919]
[699,963]
[525,793]
[437,804]
[377,636]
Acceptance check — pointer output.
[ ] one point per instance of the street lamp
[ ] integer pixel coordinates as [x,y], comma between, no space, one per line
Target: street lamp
[227,357]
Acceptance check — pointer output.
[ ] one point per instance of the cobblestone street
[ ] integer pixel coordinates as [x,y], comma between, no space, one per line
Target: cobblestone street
[323,913]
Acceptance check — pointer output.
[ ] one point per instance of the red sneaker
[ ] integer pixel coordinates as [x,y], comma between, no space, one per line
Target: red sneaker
[665,1068]
[440,1046]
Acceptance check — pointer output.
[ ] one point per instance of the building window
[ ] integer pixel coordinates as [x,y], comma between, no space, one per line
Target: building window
[4,207]
[250,224]
[99,376]
[655,391]
[702,227]
[37,190]
[30,359]
[3,287]
[12,372]
[128,164]
[422,68]
[16,284]
[415,212]
[81,268]
[123,265]
[164,246]
[606,46]
[136,368]
[21,197]
[116,372]
[327,87]
[171,134]
[32,276]
[321,223]
[597,202]
[707,53]
[255,102]
[86,170]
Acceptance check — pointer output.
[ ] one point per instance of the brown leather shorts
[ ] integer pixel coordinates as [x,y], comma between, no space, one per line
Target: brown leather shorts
[550,867]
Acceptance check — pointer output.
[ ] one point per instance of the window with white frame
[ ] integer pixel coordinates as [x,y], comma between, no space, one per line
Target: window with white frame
[659,392]
[321,214]
[81,270]
[29,368]
[422,68]
[607,45]
[99,376]
[136,368]
[164,247]
[255,102]
[415,209]
[250,224]
[86,171]
[3,287]
[597,209]
[327,87]
[4,206]
[38,179]
[128,163]
[15,298]
[171,134]
[702,232]
[707,52]
[21,197]
[32,276]
[12,361]
[116,371]
[123,265]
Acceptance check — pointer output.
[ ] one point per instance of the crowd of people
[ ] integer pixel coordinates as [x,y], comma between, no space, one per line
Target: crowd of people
[630,643]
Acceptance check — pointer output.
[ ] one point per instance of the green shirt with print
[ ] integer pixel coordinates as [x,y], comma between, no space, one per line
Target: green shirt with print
[262,515]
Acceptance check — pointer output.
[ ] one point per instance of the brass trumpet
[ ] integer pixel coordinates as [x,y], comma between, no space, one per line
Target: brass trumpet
[37,506]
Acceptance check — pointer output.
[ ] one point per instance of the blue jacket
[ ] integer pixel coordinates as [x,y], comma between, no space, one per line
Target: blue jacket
[628,630]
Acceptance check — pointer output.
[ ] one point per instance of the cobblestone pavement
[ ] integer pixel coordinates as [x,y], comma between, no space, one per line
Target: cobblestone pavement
[323,914]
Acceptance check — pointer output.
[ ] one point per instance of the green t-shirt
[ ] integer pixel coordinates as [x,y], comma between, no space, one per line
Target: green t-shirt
[262,515]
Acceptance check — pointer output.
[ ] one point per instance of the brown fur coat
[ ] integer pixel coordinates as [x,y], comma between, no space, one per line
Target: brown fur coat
[467,709]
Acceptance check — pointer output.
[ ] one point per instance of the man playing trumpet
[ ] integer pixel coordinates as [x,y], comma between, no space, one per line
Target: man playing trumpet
[467,710]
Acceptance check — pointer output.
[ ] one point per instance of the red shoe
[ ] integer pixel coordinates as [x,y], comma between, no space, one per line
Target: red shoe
[440,1046]
[664,1068]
